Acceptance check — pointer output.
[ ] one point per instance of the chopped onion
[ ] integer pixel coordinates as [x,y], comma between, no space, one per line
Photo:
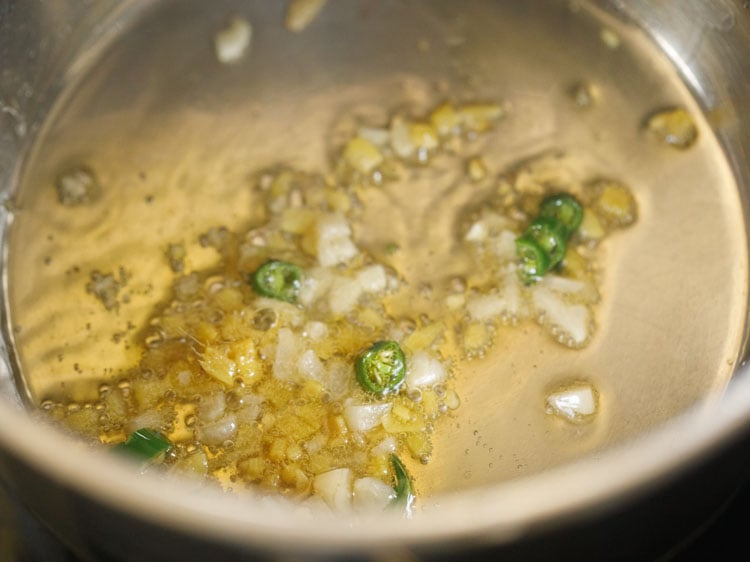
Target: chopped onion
[379,137]
[477,232]
[385,447]
[339,379]
[287,350]
[364,417]
[334,243]
[424,370]
[485,307]
[400,138]
[231,42]
[151,419]
[211,406]
[573,403]
[315,330]
[315,284]
[335,487]
[344,295]
[372,494]
[250,411]
[571,321]
[184,377]
[310,366]
[505,245]
[372,278]
[313,508]
[581,290]
[215,433]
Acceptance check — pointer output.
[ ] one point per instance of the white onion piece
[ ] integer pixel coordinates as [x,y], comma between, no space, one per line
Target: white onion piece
[385,447]
[364,417]
[486,307]
[215,433]
[573,403]
[183,377]
[150,418]
[477,232]
[287,314]
[211,406]
[315,284]
[372,494]
[571,321]
[344,294]
[334,240]
[287,350]
[508,302]
[231,42]
[504,245]
[339,379]
[372,278]
[581,290]
[335,487]
[312,508]
[400,139]
[376,136]
[315,330]
[310,366]
[424,370]
[250,411]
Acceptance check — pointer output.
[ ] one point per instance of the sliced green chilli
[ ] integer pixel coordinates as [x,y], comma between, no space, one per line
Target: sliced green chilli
[381,368]
[145,444]
[278,280]
[402,486]
[533,260]
[551,236]
[565,209]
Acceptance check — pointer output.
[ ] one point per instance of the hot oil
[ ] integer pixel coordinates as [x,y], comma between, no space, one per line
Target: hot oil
[173,139]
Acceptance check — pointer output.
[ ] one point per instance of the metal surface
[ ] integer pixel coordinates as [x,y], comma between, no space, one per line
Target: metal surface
[133,91]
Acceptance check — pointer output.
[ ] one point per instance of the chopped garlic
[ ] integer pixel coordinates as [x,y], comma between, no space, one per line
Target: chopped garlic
[231,42]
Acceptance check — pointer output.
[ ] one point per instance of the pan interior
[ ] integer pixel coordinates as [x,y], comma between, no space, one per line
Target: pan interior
[173,137]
